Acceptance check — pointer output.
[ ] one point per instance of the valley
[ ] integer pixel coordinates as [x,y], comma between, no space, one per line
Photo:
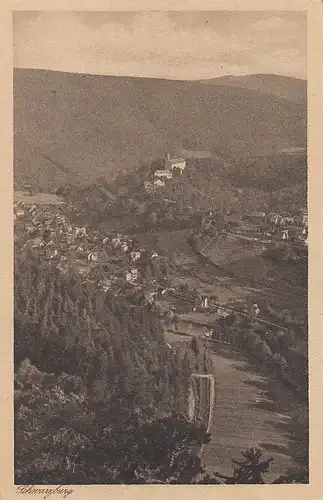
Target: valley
[161,254]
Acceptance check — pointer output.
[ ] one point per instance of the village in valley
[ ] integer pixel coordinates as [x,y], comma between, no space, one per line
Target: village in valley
[183,277]
[191,291]
[46,223]
[183,297]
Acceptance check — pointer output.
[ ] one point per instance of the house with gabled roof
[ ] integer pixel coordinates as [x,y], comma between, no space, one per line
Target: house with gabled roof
[159,182]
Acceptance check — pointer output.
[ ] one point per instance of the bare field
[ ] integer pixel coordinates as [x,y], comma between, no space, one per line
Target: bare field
[38,198]
[251,410]
[227,249]
[171,241]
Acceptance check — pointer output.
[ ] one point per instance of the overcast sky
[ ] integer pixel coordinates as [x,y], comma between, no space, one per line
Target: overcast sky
[178,45]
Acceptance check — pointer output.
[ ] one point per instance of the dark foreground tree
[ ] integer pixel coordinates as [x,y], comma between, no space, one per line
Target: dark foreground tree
[62,435]
[251,471]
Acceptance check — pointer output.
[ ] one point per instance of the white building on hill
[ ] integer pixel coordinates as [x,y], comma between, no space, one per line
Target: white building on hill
[166,174]
[159,182]
[178,163]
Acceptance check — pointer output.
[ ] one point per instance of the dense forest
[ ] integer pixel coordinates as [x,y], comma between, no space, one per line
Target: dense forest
[93,375]
[99,396]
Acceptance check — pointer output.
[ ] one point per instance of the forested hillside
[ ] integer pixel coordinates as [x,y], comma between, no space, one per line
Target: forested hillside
[270,172]
[95,385]
[74,127]
[292,89]
[270,183]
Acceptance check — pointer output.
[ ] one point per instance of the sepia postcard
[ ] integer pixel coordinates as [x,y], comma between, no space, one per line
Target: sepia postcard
[161,270]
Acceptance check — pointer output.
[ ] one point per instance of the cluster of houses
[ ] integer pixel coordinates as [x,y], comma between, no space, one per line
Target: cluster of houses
[283,227]
[271,225]
[278,219]
[290,231]
[48,232]
[161,176]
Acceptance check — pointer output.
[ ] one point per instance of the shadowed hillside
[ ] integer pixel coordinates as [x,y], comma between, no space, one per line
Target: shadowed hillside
[76,128]
[292,89]
[271,171]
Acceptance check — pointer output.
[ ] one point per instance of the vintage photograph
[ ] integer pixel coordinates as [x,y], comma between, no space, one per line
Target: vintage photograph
[160,247]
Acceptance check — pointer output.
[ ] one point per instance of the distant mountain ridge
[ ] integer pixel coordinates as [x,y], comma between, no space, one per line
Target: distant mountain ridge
[77,127]
[292,89]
